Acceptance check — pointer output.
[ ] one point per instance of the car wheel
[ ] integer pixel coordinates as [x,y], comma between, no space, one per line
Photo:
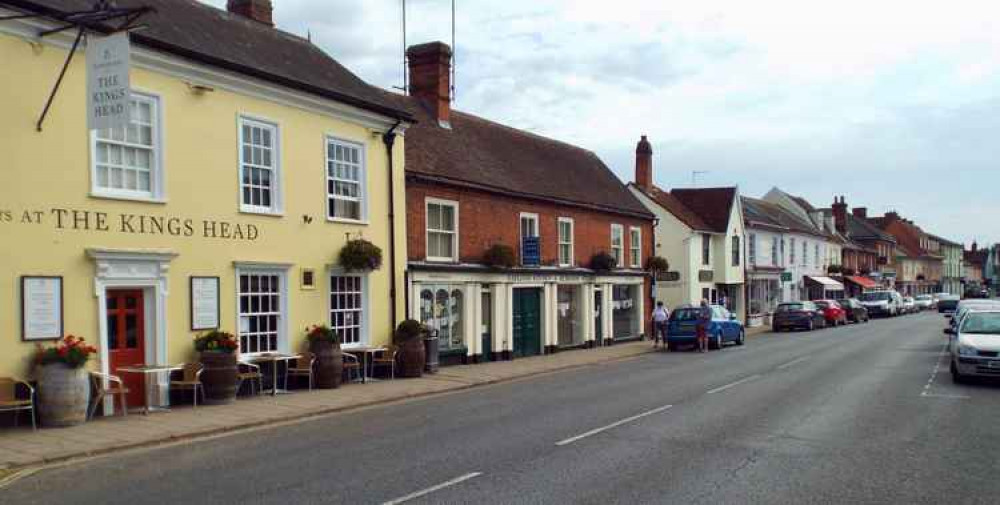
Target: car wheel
[956,377]
[718,341]
[742,338]
[810,326]
[671,347]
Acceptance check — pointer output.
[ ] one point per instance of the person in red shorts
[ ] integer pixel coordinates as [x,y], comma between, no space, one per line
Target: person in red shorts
[704,317]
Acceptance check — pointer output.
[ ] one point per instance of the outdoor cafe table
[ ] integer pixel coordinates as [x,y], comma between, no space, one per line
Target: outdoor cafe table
[147,370]
[365,351]
[274,358]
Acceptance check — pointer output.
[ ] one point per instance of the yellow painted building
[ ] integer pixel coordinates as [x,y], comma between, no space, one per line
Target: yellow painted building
[238,163]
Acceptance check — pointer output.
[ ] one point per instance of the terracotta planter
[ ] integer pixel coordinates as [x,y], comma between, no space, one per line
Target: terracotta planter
[412,358]
[219,377]
[329,366]
[63,395]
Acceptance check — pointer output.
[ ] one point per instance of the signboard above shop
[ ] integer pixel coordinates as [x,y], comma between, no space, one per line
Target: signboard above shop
[108,91]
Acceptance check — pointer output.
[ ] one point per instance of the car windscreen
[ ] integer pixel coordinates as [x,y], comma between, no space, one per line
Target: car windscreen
[923,297]
[823,305]
[875,297]
[790,307]
[684,315]
[844,303]
[981,323]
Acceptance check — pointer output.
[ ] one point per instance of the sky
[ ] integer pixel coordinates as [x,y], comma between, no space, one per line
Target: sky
[894,104]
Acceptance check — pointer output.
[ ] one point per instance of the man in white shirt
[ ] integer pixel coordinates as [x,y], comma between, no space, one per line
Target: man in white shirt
[660,317]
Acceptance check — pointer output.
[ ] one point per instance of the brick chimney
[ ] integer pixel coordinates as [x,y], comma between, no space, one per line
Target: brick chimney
[840,214]
[861,212]
[644,164]
[257,10]
[430,78]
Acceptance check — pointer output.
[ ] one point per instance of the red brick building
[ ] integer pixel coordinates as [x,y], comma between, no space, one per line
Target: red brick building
[474,186]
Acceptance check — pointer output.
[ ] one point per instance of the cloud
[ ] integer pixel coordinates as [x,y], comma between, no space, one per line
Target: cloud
[894,103]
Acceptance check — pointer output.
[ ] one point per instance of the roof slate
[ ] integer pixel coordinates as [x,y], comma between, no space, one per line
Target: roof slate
[675,207]
[712,205]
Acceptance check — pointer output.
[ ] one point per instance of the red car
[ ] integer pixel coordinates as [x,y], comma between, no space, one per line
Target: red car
[835,314]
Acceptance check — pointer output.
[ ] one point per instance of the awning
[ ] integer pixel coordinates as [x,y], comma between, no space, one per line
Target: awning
[864,282]
[827,283]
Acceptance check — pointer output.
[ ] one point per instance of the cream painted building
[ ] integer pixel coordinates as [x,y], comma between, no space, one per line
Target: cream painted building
[238,164]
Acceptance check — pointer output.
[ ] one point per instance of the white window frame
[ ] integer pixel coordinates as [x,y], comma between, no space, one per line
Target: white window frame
[365,327]
[706,247]
[282,273]
[560,243]
[752,249]
[427,231]
[619,230]
[277,200]
[635,246]
[533,217]
[157,180]
[362,179]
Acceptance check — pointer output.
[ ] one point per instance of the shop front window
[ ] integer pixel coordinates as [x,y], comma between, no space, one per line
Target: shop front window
[570,328]
[441,310]
[624,305]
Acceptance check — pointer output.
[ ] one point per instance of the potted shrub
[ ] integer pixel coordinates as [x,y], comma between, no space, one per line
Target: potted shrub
[219,373]
[657,264]
[63,388]
[834,269]
[324,343]
[360,255]
[499,256]
[412,355]
[603,262]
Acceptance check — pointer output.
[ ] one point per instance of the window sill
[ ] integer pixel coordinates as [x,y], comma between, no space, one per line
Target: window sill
[128,197]
[440,260]
[341,220]
[261,212]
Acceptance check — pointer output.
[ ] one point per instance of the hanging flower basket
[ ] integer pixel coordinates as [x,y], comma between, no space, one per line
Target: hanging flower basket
[603,262]
[499,256]
[657,264]
[360,255]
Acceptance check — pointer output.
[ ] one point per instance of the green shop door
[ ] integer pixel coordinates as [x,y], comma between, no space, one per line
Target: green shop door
[527,309]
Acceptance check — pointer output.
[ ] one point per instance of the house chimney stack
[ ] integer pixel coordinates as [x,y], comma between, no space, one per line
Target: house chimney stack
[430,78]
[840,215]
[861,212]
[257,10]
[644,164]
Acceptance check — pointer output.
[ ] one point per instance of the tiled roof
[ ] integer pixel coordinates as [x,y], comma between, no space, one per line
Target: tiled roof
[195,31]
[479,153]
[776,215]
[860,229]
[677,208]
[712,205]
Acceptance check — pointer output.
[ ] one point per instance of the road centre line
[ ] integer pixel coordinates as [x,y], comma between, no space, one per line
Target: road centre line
[612,425]
[733,384]
[792,362]
[432,489]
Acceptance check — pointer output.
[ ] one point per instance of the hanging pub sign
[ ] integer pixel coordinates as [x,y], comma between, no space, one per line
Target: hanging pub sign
[108,89]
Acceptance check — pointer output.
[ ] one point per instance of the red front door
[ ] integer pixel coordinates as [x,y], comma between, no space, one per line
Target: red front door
[126,340]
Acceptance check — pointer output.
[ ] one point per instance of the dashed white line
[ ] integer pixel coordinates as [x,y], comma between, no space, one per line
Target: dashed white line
[432,489]
[733,384]
[792,363]
[613,425]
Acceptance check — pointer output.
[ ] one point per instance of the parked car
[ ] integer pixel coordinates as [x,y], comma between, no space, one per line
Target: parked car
[975,346]
[885,303]
[947,304]
[855,311]
[924,302]
[835,315]
[802,315]
[909,305]
[723,328]
[965,306]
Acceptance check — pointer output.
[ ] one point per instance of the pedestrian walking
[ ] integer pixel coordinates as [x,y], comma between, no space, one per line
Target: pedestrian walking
[660,317]
[701,329]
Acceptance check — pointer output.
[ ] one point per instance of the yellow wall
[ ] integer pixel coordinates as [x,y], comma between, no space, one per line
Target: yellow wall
[49,170]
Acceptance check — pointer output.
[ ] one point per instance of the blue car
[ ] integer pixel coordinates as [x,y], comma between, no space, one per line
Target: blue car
[724,327]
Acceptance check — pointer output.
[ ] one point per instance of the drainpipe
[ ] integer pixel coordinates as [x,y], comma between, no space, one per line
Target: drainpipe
[389,138]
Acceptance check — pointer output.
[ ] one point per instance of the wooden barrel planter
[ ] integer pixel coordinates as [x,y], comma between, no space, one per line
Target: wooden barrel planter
[411,358]
[329,367]
[63,395]
[219,377]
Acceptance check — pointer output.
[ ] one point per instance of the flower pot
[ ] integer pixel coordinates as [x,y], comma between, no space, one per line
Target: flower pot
[329,365]
[411,358]
[219,377]
[63,395]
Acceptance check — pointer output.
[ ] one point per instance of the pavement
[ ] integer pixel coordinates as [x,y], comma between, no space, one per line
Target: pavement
[857,414]
[22,448]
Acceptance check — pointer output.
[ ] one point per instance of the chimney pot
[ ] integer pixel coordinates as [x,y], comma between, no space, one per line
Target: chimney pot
[644,164]
[430,78]
[840,215]
[861,212]
[257,10]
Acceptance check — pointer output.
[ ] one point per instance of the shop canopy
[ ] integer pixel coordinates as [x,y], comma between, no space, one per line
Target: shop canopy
[864,282]
[827,283]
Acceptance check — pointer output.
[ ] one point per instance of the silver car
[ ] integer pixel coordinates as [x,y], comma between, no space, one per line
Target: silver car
[975,345]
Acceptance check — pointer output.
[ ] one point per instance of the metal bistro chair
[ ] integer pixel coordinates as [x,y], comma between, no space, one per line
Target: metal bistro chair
[191,379]
[386,359]
[303,368]
[9,401]
[249,372]
[352,365]
[115,386]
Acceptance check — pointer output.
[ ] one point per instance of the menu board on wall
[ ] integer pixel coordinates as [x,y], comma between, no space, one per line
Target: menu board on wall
[204,303]
[41,308]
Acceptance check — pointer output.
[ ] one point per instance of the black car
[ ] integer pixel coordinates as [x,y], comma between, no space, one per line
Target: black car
[856,313]
[802,315]
[948,304]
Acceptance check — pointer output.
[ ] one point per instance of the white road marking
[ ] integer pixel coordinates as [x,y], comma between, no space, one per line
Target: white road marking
[937,395]
[432,489]
[613,425]
[937,368]
[792,362]
[733,384]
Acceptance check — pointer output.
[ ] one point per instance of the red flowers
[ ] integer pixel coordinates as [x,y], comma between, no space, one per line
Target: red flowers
[71,350]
